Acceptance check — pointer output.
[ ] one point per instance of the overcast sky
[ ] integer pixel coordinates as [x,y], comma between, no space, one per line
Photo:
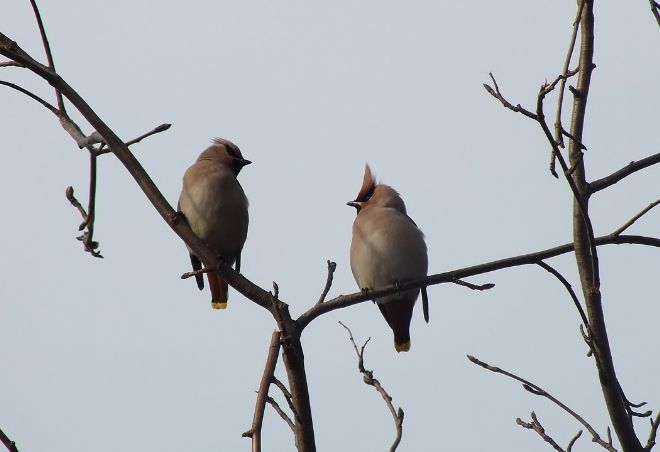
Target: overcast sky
[121,354]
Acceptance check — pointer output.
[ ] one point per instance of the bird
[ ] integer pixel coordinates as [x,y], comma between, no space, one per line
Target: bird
[216,208]
[387,248]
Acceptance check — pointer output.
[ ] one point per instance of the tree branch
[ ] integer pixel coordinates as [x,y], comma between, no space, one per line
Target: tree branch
[328,283]
[49,55]
[9,444]
[32,96]
[343,301]
[281,412]
[627,170]
[570,290]
[536,390]
[368,378]
[636,217]
[655,6]
[538,428]
[262,395]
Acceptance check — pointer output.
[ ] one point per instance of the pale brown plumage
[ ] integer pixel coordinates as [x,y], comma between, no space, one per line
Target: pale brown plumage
[388,248]
[213,202]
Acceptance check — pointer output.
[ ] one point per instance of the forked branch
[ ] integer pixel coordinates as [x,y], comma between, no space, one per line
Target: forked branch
[536,390]
[368,378]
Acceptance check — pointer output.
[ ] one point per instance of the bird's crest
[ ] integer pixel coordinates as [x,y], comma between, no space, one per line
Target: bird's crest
[368,185]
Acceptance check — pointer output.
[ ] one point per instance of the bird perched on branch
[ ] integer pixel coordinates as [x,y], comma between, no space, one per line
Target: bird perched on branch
[388,248]
[213,202]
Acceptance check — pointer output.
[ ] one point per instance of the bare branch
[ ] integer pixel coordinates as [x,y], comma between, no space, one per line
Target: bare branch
[10,64]
[343,301]
[9,444]
[262,394]
[570,290]
[328,283]
[31,95]
[281,412]
[653,433]
[159,129]
[460,282]
[541,392]
[572,442]
[559,129]
[89,244]
[368,378]
[498,95]
[49,55]
[627,170]
[655,6]
[287,395]
[636,217]
[538,428]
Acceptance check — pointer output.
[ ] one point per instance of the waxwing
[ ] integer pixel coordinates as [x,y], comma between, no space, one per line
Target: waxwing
[388,248]
[213,202]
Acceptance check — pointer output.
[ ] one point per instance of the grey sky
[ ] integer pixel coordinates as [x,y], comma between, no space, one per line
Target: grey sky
[120,354]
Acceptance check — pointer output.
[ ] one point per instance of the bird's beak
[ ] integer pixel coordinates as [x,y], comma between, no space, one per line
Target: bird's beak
[355,204]
[243,162]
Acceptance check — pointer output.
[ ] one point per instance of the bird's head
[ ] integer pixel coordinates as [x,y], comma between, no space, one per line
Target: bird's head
[227,153]
[375,194]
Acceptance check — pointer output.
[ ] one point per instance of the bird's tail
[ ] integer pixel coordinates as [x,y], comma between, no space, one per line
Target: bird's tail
[219,291]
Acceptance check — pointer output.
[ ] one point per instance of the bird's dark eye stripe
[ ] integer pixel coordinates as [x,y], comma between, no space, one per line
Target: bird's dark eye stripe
[232,152]
[369,194]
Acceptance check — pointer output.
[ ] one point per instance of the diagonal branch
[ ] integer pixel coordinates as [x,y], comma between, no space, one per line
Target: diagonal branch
[368,378]
[536,390]
[570,290]
[49,55]
[262,394]
[626,171]
[498,95]
[636,217]
[538,428]
[655,6]
[281,412]
[9,444]
[32,96]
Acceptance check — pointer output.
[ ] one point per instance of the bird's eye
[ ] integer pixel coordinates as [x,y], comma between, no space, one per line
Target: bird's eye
[232,152]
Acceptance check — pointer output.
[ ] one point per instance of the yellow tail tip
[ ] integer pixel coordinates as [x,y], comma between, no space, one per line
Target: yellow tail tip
[219,304]
[402,347]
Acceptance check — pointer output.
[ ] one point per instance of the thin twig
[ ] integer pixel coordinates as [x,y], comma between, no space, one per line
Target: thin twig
[201,271]
[538,428]
[498,95]
[562,86]
[287,395]
[368,378]
[31,95]
[534,389]
[328,283]
[572,442]
[571,292]
[486,286]
[89,244]
[159,129]
[630,222]
[10,64]
[281,412]
[627,170]
[9,444]
[262,394]
[655,423]
[49,55]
